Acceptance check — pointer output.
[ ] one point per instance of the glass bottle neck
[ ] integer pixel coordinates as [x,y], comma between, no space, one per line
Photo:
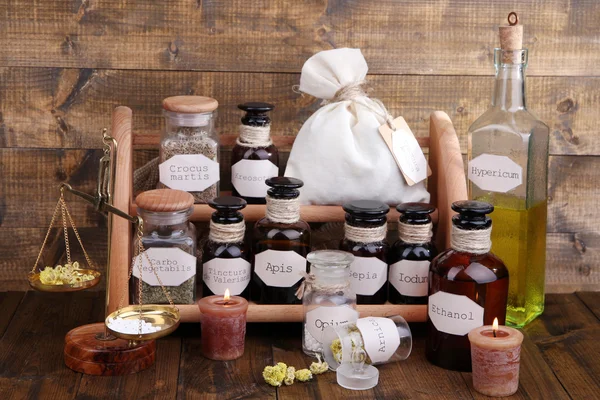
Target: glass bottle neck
[509,87]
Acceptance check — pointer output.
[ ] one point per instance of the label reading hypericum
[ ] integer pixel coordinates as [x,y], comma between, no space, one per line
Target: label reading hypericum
[220,274]
[320,318]
[367,275]
[454,314]
[410,278]
[249,176]
[279,268]
[172,265]
[189,172]
[495,173]
[380,337]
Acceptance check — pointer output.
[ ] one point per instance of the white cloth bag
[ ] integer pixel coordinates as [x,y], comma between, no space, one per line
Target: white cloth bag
[339,152]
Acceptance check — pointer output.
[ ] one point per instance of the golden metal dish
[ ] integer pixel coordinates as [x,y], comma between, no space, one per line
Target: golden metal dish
[35,283]
[165,316]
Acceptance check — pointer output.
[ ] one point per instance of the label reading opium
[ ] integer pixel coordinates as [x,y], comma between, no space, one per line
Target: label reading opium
[367,275]
[249,176]
[495,173]
[320,318]
[189,172]
[410,278]
[279,268]
[454,314]
[172,265]
[220,274]
[380,337]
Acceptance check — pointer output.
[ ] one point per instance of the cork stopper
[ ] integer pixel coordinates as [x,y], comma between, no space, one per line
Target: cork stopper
[190,104]
[164,200]
[511,36]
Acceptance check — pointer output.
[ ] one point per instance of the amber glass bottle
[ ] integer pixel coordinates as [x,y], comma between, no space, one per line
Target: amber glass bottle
[410,257]
[281,244]
[226,256]
[468,287]
[254,158]
[365,232]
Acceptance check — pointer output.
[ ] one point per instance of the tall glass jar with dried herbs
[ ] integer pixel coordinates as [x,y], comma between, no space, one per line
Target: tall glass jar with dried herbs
[189,148]
[170,242]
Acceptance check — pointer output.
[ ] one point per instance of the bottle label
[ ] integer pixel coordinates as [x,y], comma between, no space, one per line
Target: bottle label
[380,337]
[367,275]
[189,172]
[454,314]
[226,273]
[494,173]
[410,278]
[172,265]
[249,176]
[279,268]
[322,317]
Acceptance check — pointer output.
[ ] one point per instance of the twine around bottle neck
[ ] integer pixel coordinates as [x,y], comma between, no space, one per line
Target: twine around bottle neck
[227,233]
[284,211]
[415,233]
[475,241]
[254,136]
[310,283]
[365,235]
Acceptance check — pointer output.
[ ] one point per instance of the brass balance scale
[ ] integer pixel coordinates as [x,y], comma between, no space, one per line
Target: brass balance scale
[101,348]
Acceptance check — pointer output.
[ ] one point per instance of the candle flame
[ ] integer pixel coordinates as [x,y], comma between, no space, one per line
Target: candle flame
[227,296]
[495,325]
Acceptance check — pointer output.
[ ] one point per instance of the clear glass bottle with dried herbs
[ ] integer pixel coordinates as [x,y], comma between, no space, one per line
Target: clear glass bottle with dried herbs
[170,242]
[189,148]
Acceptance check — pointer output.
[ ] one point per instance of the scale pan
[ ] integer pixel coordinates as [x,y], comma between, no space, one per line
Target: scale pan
[165,316]
[35,283]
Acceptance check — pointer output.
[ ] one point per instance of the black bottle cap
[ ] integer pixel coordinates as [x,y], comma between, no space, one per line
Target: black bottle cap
[256,113]
[415,213]
[472,214]
[282,187]
[227,209]
[366,209]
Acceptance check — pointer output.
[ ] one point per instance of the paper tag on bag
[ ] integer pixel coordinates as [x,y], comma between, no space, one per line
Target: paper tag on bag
[406,151]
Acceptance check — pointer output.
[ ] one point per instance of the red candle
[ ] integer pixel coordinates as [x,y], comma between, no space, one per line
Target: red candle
[223,326]
[495,358]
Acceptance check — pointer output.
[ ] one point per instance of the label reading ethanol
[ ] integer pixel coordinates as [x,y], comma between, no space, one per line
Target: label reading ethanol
[279,268]
[454,314]
[380,337]
[495,173]
[173,266]
[367,275]
[249,176]
[226,273]
[320,318]
[189,172]
[410,278]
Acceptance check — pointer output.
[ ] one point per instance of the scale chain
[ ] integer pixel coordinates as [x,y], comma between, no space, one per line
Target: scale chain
[58,205]
[64,219]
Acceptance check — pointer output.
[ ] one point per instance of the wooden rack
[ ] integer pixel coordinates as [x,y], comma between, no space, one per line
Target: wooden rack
[446,185]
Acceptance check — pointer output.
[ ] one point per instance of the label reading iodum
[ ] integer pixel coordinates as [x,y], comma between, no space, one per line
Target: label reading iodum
[495,173]
[279,268]
[189,172]
[367,275]
[380,337]
[454,314]
[226,273]
[410,278]
[172,265]
[249,176]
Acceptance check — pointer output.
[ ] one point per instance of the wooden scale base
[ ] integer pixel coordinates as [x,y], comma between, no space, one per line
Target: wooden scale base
[89,355]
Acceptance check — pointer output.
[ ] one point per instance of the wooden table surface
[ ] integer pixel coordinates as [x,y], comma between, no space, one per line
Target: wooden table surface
[560,358]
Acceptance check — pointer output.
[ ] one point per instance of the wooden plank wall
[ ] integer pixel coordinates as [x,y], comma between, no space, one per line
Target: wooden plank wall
[65,65]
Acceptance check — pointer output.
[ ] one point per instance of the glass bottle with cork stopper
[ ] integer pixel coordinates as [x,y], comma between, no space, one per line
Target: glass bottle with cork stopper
[365,233]
[254,158]
[170,242]
[281,244]
[226,256]
[189,147]
[410,257]
[468,287]
[508,167]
